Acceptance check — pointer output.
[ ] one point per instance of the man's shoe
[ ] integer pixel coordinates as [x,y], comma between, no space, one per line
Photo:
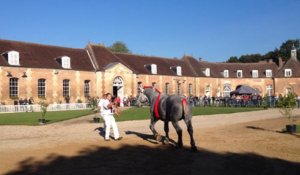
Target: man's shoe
[120,138]
[107,139]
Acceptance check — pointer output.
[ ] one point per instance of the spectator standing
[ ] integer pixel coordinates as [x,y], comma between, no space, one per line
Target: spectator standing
[109,119]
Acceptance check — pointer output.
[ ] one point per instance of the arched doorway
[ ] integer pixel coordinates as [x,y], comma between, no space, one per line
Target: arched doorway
[226,90]
[118,88]
[288,89]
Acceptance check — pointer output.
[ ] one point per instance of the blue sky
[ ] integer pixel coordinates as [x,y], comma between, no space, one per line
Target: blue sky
[211,29]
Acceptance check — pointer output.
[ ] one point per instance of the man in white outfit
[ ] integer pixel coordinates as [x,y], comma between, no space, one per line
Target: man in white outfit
[109,119]
[100,107]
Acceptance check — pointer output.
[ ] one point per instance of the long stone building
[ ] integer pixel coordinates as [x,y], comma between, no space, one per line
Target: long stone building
[52,73]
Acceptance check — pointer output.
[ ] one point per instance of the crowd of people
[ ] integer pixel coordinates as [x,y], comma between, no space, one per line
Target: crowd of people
[254,100]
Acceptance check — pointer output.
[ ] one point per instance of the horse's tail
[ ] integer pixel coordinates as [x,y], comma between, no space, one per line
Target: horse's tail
[184,106]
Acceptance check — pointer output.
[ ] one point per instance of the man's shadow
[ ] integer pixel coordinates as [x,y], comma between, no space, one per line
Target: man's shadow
[101,131]
[150,138]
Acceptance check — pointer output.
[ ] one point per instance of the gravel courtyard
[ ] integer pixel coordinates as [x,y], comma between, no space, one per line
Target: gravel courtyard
[240,143]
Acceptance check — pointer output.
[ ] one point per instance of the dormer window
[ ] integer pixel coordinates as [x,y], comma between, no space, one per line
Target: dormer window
[254,73]
[13,58]
[66,62]
[239,74]
[226,73]
[178,70]
[153,69]
[268,73]
[207,72]
[287,72]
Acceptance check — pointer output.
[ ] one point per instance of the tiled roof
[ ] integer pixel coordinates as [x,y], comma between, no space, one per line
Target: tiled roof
[292,64]
[139,64]
[216,69]
[103,57]
[43,56]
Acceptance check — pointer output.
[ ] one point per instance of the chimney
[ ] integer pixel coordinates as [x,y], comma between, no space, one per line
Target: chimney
[280,63]
[294,53]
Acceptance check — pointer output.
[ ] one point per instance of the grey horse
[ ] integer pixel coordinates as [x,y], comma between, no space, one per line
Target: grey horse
[171,108]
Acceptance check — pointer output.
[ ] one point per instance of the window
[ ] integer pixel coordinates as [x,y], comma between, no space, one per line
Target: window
[226,90]
[86,88]
[66,62]
[178,70]
[226,73]
[190,89]
[207,72]
[13,58]
[178,89]
[207,90]
[66,88]
[167,88]
[287,72]
[239,73]
[269,90]
[13,87]
[153,69]
[288,90]
[254,73]
[268,73]
[41,88]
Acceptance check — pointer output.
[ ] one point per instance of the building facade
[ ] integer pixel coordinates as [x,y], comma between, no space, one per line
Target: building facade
[54,74]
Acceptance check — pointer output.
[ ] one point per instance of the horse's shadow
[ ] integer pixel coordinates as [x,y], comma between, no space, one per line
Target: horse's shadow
[150,138]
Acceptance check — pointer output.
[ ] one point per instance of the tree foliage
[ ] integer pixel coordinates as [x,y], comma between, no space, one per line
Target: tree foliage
[233,59]
[119,47]
[287,104]
[284,51]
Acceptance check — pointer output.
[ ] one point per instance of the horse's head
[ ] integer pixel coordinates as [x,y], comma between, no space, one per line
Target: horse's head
[145,94]
[142,98]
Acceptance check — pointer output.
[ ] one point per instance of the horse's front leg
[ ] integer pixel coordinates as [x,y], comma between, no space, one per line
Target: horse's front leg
[179,133]
[152,128]
[188,123]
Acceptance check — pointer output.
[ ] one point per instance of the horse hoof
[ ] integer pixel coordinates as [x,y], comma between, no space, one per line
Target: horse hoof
[194,149]
[166,141]
[158,138]
[179,145]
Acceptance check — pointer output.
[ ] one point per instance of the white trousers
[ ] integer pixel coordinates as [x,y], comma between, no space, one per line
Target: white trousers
[110,121]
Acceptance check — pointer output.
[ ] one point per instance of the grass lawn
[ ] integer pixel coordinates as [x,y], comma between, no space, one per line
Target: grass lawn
[298,129]
[144,113]
[31,118]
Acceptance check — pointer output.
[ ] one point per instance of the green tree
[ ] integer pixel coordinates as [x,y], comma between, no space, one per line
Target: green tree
[250,58]
[119,47]
[287,104]
[286,47]
[284,52]
[272,55]
[233,59]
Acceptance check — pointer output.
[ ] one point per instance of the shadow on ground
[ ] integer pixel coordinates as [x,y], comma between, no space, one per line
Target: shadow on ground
[160,159]
[268,130]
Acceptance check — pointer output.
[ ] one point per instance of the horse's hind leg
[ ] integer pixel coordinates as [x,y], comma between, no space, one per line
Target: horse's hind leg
[188,123]
[152,128]
[166,128]
[179,133]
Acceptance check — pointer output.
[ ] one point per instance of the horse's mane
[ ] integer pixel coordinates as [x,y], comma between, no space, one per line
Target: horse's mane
[152,88]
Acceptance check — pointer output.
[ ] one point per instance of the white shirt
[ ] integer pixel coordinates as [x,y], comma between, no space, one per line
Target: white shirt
[106,110]
[100,105]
